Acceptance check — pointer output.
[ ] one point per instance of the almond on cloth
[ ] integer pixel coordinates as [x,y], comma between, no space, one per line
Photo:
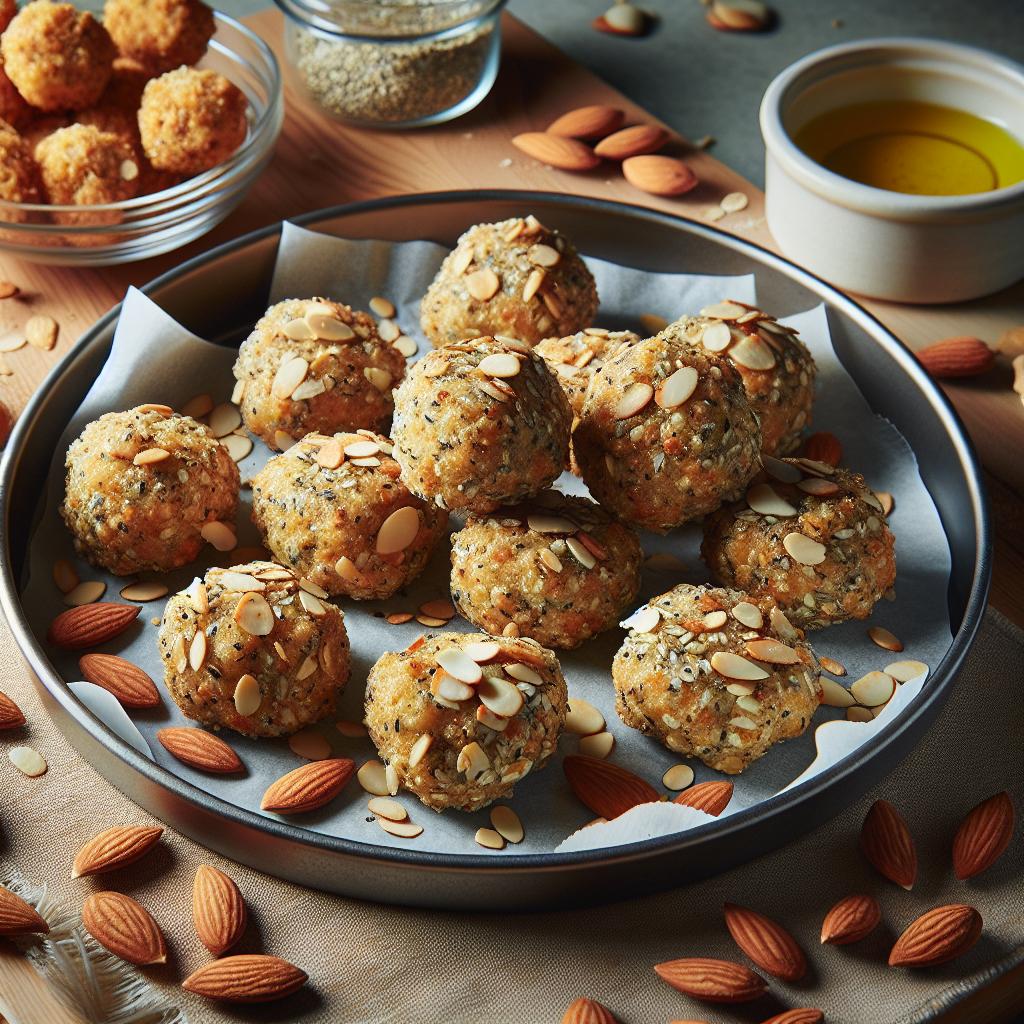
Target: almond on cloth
[309,786]
[938,936]
[886,842]
[125,927]
[90,625]
[636,140]
[593,122]
[127,682]
[659,175]
[565,154]
[246,978]
[605,788]
[710,797]
[199,749]
[850,920]
[115,847]
[983,836]
[17,917]
[11,716]
[766,942]
[715,981]
[962,356]
[218,909]
[588,1011]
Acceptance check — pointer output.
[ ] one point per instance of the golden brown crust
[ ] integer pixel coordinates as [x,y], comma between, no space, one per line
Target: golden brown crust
[159,35]
[19,173]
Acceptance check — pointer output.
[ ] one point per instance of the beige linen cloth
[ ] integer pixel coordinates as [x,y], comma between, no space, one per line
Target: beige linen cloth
[382,964]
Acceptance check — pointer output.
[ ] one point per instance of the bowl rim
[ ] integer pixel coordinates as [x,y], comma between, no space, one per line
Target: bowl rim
[199,183]
[853,194]
[941,676]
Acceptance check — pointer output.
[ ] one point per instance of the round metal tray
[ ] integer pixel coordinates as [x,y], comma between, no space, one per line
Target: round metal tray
[889,376]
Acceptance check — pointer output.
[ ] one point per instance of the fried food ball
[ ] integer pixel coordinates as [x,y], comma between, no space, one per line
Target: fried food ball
[313,365]
[559,570]
[140,487]
[465,744]
[712,673]
[812,538]
[13,108]
[59,58]
[776,367]
[40,127]
[251,649]
[19,174]
[159,34]
[191,120]
[667,433]
[128,79]
[480,424]
[335,510]
[515,278]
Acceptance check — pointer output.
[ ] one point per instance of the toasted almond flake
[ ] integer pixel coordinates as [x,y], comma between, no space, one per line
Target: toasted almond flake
[781,625]
[373,778]
[748,703]
[419,749]
[388,330]
[311,603]
[873,689]
[716,336]
[551,560]
[885,499]
[239,581]
[582,718]
[490,719]
[733,666]
[179,655]
[740,689]
[198,406]
[254,614]
[514,343]
[652,322]
[328,327]
[715,619]
[533,283]
[883,638]
[313,588]
[483,284]
[541,522]
[764,499]
[748,615]
[247,696]
[309,388]
[430,621]
[151,456]
[220,536]
[459,664]
[677,388]
[818,487]
[461,259]
[489,838]
[482,651]
[399,618]
[382,306]
[224,419]
[472,761]
[835,695]
[27,760]
[86,592]
[65,576]
[510,629]
[543,255]
[368,463]
[803,549]
[310,744]
[398,531]
[438,608]
[507,824]
[772,651]
[634,400]
[238,447]
[163,410]
[752,354]
[197,651]
[643,620]
[523,673]
[41,332]
[283,440]
[291,373]
[347,570]
[742,722]
[734,202]
[198,597]
[349,729]
[678,777]
[500,364]
[500,697]
[379,378]
[385,807]
[450,689]
[580,552]
[407,346]
[299,330]
[598,744]
[784,472]
[837,668]
[856,713]
[726,310]
[553,305]
[904,671]
[401,829]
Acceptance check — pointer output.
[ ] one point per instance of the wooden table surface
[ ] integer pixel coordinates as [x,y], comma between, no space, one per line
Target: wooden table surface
[319,163]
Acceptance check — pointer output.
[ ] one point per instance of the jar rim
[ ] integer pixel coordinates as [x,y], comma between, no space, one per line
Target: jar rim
[388,21]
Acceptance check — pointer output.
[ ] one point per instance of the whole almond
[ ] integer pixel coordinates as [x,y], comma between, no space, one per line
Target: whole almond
[566,154]
[801,1015]
[588,1011]
[246,978]
[659,175]
[886,842]
[218,909]
[850,920]
[309,786]
[622,19]
[90,625]
[604,787]
[127,682]
[593,122]
[636,140]
[710,797]
[18,917]
[937,936]
[956,357]
[983,836]
[11,716]
[766,942]
[716,981]
[200,749]
[739,15]
[115,847]
[124,927]
[824,447]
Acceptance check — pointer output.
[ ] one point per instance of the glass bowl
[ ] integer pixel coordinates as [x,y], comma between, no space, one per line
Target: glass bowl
[148,225]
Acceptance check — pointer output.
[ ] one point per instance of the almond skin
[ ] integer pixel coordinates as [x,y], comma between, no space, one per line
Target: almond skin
[593,122]
[115,847]
[956,357]
[588,1011]
[716,981]
[659,175]
[604,787]
[886,842]
[309,786]
[218,909]
[127,682]
[11,716]
[938,936]
[710,797]
[766,942]
[565,154]
[246,978]
[199,749]
[90,625]
[801,1015]
[124,927]
[745,16]
[636,140]
[850,920]
[18,917]
[984,836]
[824,447]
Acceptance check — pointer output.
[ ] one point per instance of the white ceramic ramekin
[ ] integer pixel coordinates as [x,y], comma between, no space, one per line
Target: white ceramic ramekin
[888,245]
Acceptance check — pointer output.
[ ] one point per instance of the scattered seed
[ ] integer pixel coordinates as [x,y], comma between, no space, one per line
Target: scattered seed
[583,718]
[385,807]
[224,419]
[382,307]
[507,824]
[837,668]
[904,671]
[41,332]
[678,777]
[489,838]
[401,829]
[86,592]
[884,639]
[27,760]
[873,689]
[734,202]
[372,778]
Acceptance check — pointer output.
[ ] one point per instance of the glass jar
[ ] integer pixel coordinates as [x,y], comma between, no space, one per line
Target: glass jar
[393,63]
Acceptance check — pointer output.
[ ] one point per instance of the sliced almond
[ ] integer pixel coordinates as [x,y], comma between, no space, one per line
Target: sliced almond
[541,522]
[803,549]
[460,665]
[419,749]
[885,639]
[733,666]
[634,400]
[401,829]
[489,838]
[398,531]
[678,777]
[385,807]
[677,388]
[483,651]
[580,552]
[65,575]
[27,760]
[583,718]
[310,744]
[772,651]
[533,283]
[764,499]
[472,761]
[483,284]
[373,778]
[856,713]
[86,592]
[197,651]
[507,824]
[220,536]
[904,671]
[254,614]
[500,364]
[523,673]
[716,336]
[598,744]
[752,354]
[329,328]
[290,374]
[247,696]
[500,697]
[450,689]
[873,689]
[643,620]
[715,620]
[748,614]
[784,472]
[835,695]
[151,456]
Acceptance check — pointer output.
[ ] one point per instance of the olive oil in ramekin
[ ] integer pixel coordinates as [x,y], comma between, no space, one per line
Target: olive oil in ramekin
[913,147]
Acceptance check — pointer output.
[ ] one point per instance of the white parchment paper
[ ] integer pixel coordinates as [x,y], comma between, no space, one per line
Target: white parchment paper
[154,359]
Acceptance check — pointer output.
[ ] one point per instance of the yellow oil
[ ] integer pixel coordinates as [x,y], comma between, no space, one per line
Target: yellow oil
[917,148]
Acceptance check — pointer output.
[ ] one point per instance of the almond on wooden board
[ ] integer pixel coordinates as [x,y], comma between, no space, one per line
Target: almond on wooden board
[593,122]
[710,797]
[11,716]
[588,1011]
[766,942]
[604,787]
[659,175]
[565,154]
[218,909]
[962,356]
[125,927]
[824,447]
[850,920]
[636,140]
[90,625]
[246,978]
[114,847]
[716,981]
[983,836]
[17,917]
[199,749]
[127,682]
[886,842]
[309,786]
[938,936]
